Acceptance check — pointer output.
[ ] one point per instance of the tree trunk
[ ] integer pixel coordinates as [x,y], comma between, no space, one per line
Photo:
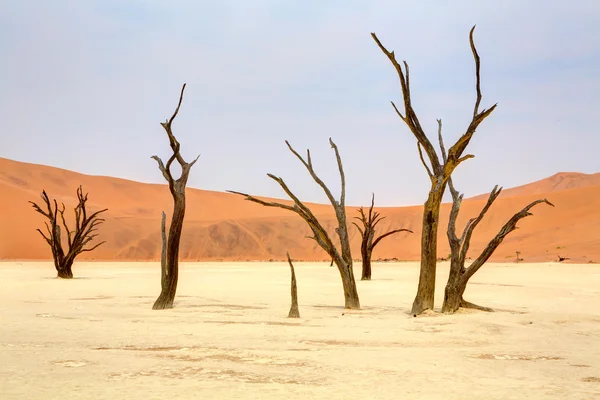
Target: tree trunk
[366,250]
[294,311]
[366,266]
[168,291]
[424,299]
[455,287]
[351,300]
[66,270]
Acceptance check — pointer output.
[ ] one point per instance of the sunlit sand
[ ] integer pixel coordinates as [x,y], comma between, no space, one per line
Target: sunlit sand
[96,337]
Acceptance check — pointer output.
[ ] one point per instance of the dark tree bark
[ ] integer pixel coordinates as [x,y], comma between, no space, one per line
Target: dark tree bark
[459,274]
[170,252]
[294,311]
[163,252]
[367,232]
[439,173]
[77,239]
[341,257]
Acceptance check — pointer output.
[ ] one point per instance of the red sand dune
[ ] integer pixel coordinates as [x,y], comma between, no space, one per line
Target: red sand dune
[554,183]
[222,226]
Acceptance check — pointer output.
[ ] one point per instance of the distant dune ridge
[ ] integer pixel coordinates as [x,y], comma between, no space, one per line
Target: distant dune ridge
[222,226]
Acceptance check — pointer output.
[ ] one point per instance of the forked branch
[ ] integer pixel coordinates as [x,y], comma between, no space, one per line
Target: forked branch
[460,274]
[175,185]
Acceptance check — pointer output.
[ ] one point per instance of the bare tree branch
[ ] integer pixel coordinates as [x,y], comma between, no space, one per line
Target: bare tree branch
[423,161]
[510,226]
[477,69]
[262,202]
[376,241]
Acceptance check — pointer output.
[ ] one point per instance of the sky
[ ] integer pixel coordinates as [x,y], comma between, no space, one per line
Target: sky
[86,84]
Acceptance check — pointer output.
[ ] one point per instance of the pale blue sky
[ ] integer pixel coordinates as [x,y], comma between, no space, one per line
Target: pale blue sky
[85,84]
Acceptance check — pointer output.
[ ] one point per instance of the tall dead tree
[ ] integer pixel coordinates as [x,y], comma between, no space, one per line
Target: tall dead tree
[459,274]
[343,258]
[77,239]
[294,311]
[439,173]
[367,232]
[170,252]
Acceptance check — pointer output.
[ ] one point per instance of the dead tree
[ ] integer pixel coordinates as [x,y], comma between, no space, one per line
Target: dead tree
[439,173]
[367,232]
[343,258]
[459,274]
[77,239]
[170,252]
[294,311]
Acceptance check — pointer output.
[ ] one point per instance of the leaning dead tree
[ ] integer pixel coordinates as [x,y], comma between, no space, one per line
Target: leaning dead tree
[367,232]
[459,274]
[170,251]
[294,311]
[77,239]
[439,173]
[343,257]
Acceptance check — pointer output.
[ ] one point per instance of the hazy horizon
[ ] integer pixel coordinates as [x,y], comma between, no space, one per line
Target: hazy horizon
[87,83]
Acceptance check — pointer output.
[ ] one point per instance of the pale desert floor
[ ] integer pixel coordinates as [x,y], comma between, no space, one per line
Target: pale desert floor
[96,337]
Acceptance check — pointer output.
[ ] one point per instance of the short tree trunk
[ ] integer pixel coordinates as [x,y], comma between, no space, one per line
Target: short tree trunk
[65,272]
[453,294]
[366,267]
[351,300]
[171,272]
[294,311]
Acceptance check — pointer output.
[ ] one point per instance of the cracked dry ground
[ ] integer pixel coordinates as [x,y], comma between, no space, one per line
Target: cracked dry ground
[96,337]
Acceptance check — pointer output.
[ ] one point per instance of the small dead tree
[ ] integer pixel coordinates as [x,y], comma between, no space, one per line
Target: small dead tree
[439,173]
[367,232]
[294,311]
[77,239]
[518,259]
[343,258]
[170,251]
[459,274]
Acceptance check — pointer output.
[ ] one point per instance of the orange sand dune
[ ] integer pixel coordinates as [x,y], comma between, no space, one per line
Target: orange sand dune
[221,226]
[556,182]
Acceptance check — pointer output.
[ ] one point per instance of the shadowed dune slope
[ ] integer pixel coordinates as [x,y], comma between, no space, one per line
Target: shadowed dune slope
[221,226]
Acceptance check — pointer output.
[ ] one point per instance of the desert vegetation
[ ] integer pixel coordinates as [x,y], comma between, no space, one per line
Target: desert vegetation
[369,221]
[439,173]
[170,244]
[77,238]
[342,257]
